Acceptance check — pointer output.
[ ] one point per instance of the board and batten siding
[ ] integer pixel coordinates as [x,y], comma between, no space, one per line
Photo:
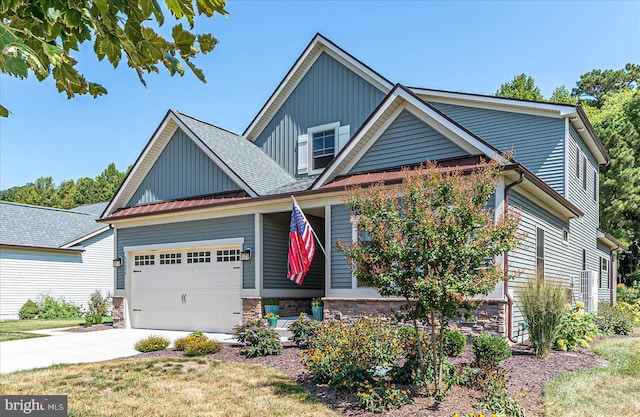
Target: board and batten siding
[408,140]
[329,92]
[275,244]
[522,261]
[583,232]
[538,141]
[27,273]
[341,229]
[188,231]
[182,170]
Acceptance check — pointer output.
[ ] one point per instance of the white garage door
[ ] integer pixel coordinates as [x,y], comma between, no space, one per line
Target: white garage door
[186,289]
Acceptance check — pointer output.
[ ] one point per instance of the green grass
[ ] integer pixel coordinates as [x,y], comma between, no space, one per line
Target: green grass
[169,387]
[15,329]
[599,392]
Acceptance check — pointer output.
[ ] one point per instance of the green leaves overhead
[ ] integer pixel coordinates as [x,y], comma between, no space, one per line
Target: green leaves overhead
[38,36]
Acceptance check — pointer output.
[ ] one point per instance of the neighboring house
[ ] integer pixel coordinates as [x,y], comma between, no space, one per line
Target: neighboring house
[199,197]
[65,253]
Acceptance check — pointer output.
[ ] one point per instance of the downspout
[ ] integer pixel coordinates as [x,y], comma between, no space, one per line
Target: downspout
[613,275]
[506,265]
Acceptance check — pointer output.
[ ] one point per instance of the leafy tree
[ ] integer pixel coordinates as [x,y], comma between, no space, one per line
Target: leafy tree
[66,192]
[39,35]
[521,87]
[595,84]
[107,183]
[562,95]
[434,247]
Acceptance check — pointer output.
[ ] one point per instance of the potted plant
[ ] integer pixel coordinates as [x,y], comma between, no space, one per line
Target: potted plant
[273,319]
[272,305]
[316,308]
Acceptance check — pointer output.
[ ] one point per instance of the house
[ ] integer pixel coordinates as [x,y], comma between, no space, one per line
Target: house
[65,253]
[201,221]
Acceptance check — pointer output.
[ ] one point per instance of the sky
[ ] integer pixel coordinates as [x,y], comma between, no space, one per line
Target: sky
[454,45]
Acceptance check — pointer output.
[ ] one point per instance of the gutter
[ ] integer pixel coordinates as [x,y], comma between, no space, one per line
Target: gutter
[506,264]
[42,248]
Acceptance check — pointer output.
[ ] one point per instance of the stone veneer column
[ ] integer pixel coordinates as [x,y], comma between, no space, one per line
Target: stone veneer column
[251,309]
[117,311]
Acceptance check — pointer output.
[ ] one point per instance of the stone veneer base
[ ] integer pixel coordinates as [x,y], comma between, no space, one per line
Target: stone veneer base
[117,311]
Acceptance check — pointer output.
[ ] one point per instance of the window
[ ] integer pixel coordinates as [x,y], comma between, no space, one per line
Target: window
[323,145]
[604,272]
[584,172]
[199,257]
[319,145]
[584,259]
[540,252]
[228,255]
[144,260]
[170,258]
[577,162]
[565,235]
[595,185]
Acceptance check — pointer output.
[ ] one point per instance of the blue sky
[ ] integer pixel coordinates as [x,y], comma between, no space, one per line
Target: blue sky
[460,46]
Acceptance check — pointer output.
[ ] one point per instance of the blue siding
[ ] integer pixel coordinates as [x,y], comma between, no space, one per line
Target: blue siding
[275,243]
[182,170]
[522,261]
[408,140]
[340,230]
[328,93]
[208,229]
[538,141]
[603,290]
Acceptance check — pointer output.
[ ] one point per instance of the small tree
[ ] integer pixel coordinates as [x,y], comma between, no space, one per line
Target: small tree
[431,240]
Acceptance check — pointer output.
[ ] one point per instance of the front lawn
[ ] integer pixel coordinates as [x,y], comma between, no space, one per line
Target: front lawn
[15,329]
[169,387]
[610,391]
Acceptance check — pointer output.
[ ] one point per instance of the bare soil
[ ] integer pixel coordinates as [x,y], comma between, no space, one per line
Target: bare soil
[525,373]
[94,328]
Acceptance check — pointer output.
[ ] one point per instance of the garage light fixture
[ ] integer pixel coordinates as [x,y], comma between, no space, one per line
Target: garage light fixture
[245,255]
[117,262]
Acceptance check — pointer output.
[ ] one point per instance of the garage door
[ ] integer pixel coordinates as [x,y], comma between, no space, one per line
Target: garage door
[186,289]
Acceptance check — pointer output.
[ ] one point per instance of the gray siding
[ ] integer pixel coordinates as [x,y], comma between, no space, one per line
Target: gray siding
[208,229]
[275,242]
[340,230]
[182,170]
[328,93]
[522,261]
[408,140]
[603,291]
[538,141]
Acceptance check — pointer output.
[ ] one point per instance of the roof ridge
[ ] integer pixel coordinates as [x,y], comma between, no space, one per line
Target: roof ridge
[208,123]
[46,208]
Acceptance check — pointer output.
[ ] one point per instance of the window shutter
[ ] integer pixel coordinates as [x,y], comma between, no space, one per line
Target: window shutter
[303,154]
[344,133]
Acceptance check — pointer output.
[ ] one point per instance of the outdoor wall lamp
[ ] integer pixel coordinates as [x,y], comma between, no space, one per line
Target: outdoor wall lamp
[117,262]
[245,255]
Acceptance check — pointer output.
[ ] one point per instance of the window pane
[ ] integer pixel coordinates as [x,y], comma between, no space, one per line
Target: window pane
[540,242]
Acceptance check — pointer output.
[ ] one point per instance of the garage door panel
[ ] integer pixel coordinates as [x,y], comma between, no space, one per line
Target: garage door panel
[188,290]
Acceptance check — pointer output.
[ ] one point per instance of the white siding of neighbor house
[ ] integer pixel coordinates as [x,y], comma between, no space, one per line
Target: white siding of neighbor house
[27,273]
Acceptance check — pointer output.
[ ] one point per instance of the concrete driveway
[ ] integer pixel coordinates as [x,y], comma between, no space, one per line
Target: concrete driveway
[65,347]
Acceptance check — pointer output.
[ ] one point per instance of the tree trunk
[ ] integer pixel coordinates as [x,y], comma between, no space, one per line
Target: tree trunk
[436,367]
[419,347]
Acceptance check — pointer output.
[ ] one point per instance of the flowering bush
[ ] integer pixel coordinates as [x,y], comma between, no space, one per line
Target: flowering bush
[197,344]
[577,328]
[152,344]
[617,319]
[181,343]
[382,397]
[630,294]
[304,329]
[257,339]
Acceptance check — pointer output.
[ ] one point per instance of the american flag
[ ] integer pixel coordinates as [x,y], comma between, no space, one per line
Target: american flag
[301,246]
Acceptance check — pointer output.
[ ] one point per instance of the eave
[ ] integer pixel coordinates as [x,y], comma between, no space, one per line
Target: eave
[610,241]
[43,248]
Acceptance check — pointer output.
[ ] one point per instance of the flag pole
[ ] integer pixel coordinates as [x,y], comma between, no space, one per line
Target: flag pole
[312,231]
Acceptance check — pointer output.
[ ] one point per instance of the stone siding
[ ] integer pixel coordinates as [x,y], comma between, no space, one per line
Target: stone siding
[117,312]
[253,307]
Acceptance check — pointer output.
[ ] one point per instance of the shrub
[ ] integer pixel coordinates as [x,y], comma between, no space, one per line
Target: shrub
[152,344]
[496,397]
[92,318]
[382,397]
[630,295]
[577,328]
[199,346]
[181,343]
[543,306]
[29,310]
[454,342]
[99,304]
[257,339]
[303,329]
[614,319]
[52,308]
[490,350]
[272,302]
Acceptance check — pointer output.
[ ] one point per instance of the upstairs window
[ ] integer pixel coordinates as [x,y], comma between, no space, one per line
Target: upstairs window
[595,185]
[578,162]
[318,147]
[540,252]
[584,172]
[324,147]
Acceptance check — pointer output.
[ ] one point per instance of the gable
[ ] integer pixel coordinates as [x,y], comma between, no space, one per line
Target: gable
[329,92]
[538,141]
[181,170]
[408,140]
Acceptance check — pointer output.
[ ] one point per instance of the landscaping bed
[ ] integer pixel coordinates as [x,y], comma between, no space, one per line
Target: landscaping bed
[526,374]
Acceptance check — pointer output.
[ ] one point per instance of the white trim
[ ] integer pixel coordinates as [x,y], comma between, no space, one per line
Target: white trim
[258,251]
[328,221]
[499,200]
[544,250]
[335,126]
[83,238]
[185,245]
[295,75]
[275,293]
[567,140]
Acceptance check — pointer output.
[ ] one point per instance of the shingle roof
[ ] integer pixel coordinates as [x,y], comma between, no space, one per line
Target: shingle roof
[252,165]
[298,185]
[94,209]
[24,225]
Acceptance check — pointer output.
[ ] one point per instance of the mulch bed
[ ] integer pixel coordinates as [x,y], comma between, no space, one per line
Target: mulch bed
[525,373]
[94,328]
